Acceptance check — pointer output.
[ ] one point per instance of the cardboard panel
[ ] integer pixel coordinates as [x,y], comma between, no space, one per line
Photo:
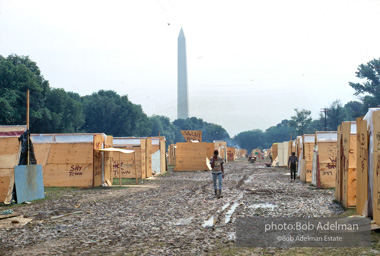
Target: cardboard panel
[362,166]
[192,135]
[29,183]
[68,175]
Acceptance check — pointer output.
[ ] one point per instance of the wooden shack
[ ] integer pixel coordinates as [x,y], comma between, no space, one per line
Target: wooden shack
[131,165]
[346,176]
[221,146]
[325,155]
[72,160]
[192,156]
[9,158]
[158,152]
[307,153]
[230,154]
[368,167]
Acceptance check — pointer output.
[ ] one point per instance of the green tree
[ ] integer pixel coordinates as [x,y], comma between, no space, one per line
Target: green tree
[250,139]
[354,109]
[17,75]
[161,125]
[301,121]
[108,112]
[370,88]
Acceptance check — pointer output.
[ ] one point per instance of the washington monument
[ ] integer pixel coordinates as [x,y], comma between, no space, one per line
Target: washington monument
[183,100]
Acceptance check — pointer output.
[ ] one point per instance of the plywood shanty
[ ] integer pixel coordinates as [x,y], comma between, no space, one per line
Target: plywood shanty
[231,154]
[221,146]
[126,160]
[71,160]
[192,157]
[274,150]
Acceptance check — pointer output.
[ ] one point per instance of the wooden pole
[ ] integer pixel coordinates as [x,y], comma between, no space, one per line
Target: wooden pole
[119,170]
[134,163]
[27,122]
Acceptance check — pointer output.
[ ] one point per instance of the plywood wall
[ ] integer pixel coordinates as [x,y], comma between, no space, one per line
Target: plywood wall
[230,154]
[9,157]
[69,165]
[362,166]
[327,152]
[339,172]
[192,157]
[274,151]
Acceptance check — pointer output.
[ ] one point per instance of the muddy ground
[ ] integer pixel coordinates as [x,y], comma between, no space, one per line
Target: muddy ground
[174,214]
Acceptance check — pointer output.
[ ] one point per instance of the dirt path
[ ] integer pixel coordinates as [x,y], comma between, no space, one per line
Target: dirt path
[176,214]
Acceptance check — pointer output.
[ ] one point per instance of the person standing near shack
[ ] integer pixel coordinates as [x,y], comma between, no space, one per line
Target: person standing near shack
[292,164]
[216,163]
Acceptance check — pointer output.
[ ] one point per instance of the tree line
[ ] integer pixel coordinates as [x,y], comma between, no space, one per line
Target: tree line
[57,111]
[54,110]
[302,123]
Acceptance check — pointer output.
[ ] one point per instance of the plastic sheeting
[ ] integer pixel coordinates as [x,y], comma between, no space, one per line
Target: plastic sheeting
[126,141]
[314,173]
[327,136]
[309,138]
[69,138]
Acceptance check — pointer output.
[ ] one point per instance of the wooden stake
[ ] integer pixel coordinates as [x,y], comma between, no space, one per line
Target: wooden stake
[119,170]
[27,121]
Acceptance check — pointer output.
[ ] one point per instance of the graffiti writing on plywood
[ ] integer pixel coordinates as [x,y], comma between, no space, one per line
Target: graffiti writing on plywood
[75,170]
[329,173]
[332,164]
[363,153]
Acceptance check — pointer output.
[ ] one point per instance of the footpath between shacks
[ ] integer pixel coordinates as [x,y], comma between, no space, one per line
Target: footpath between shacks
[174,214]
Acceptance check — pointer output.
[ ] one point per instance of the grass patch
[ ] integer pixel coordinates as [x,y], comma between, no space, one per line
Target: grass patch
[125,181]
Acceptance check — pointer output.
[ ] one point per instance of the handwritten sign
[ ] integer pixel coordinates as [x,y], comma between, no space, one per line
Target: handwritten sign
[75,170]
[190,135]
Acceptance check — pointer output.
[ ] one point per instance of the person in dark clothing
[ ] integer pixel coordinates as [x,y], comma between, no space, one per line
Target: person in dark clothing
[292,165]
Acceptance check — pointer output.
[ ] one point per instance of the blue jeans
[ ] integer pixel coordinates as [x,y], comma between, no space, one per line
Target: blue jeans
[219,177]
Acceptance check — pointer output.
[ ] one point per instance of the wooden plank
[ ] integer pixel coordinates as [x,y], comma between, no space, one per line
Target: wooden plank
[97,162]
[339,175]
[362,166]
[163,155]
[71,153]
[148,157]
[9,145]
[274,150]
[303,170]
[68,175]
[346,128]
[108,177]
[351,191]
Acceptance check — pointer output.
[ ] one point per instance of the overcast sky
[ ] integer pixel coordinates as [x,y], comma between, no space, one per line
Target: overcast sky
[250,63]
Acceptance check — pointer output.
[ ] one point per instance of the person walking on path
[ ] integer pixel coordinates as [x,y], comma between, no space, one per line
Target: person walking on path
[292,164]
[216,163]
